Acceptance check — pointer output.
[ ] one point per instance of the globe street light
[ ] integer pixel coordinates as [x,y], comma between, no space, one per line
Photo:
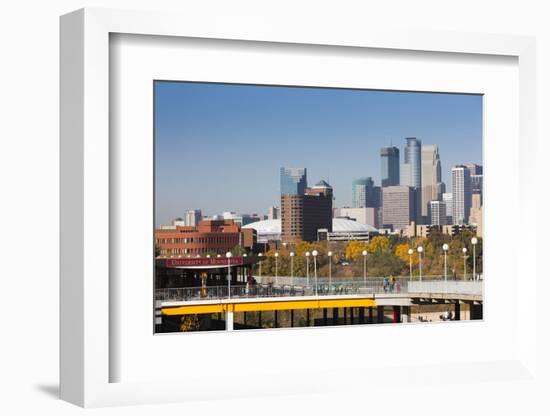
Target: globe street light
[228,255]
[291,268]
[329,254]
[445,249]
[315,253]
[420,249]
[365,267]
[276,270]
[307,268]
[474,242]
[411,251]
[465,250]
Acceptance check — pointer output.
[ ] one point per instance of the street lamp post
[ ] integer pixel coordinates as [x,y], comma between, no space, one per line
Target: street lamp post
[228,255]
[276,269]
[474,243]
[364,253]
[307,268]
[260,265]
[465,250]
[420,249]
[315,253]
[411,251]
[291,268]
[445,249]
[329,254]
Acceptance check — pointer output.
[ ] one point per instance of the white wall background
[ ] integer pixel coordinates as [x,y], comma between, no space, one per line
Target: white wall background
[29,206]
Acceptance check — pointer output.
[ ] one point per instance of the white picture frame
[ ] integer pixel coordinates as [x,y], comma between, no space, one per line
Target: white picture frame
[87,356]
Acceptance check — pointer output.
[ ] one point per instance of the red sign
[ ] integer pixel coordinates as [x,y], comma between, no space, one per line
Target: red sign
[204,261]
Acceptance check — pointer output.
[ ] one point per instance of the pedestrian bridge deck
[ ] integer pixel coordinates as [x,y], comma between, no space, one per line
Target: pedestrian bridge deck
[176,303]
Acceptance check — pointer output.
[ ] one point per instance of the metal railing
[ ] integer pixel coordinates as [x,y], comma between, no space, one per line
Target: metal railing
[372,286]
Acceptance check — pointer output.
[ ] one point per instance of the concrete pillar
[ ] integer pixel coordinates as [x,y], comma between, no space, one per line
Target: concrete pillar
[371,318]
[345,315]
[361,315]
[229,321]
[457,311]
[351,316]
[334,316]
[276,316]
[406,314]
[259,319]
[476,311]
[396,314]
[244,318]
[325,317]
[307,317]
[292,318]
[379,314]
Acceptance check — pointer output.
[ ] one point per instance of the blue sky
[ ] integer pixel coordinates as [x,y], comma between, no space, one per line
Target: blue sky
[219,147]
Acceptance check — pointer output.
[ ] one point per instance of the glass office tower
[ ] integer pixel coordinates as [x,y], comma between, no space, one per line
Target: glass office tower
[293,181]
[390,166]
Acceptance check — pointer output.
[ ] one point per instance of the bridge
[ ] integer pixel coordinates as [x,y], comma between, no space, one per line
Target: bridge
[356,296]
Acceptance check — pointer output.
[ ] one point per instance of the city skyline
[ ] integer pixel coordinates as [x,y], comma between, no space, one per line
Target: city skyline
[251,185]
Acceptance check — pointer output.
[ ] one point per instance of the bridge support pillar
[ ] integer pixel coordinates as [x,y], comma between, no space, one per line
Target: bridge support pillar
[229,321]
[396,314]
[379,314]
[476,311]
[406,314]
[457,311]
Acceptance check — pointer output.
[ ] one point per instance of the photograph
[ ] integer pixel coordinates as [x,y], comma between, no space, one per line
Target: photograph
[290,207]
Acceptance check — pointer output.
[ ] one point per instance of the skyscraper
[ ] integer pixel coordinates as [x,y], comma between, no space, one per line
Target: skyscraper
[431,177]
[462,194]
[273,213]
[303,215]
[438,213]
[447,197]
[364,194]
[293,181]
[399,206]
[411,172]
[193,217]
[390,166]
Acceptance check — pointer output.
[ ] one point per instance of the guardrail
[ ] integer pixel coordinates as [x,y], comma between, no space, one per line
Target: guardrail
[372,286]
[458,287]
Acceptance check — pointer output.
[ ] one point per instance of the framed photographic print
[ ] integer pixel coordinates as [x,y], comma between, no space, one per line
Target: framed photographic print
[277,207]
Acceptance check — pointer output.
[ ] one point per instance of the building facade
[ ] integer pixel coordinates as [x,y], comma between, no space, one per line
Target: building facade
[411,171]
[366,216]
[208,237]
[389,166]
[462,194]
[400,206]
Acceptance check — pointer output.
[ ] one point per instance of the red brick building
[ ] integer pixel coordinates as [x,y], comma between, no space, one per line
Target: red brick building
[209,237]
